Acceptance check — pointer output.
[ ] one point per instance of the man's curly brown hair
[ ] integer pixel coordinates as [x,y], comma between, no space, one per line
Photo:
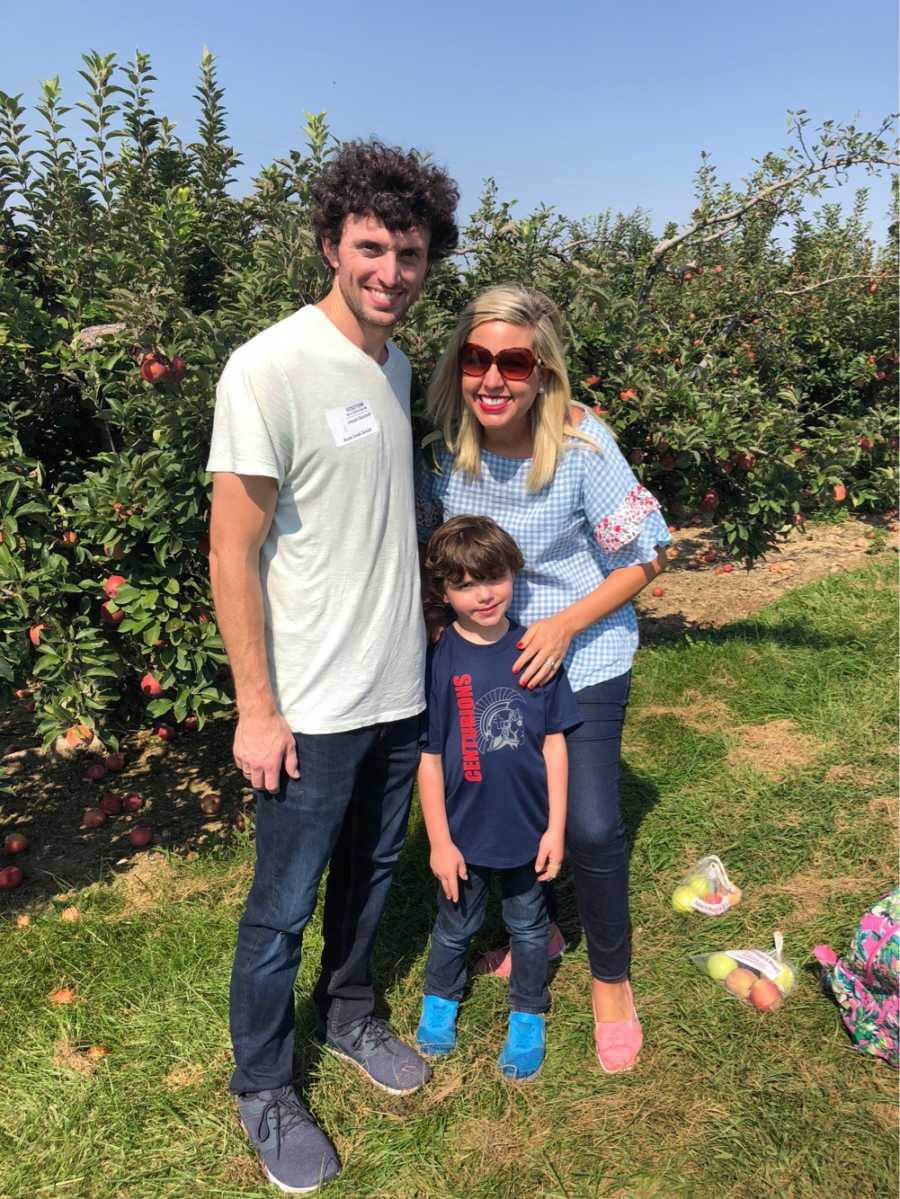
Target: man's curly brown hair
[399,188]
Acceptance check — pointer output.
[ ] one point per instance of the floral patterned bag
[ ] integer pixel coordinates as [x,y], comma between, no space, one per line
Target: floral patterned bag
[865,981]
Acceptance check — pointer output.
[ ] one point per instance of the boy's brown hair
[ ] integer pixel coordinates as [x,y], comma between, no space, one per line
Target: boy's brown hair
[468,545]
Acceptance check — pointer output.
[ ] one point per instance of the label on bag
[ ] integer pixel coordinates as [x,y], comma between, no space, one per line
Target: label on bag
[351,423]
[761,963]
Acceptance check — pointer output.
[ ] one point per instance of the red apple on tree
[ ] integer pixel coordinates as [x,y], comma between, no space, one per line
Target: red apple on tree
[839,491]
[111,618]
[10,877]
[115,762]
[15,843]
[178,369]
[112,583]
[155,368]
[710,500]
[34,634]
[150,686]
[132,802]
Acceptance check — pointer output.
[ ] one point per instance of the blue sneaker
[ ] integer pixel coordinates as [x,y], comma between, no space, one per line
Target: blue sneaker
[523,1053]
[436,1034]
[295,1154]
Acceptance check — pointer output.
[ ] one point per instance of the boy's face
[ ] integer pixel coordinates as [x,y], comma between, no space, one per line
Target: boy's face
[379,273]
[480,604]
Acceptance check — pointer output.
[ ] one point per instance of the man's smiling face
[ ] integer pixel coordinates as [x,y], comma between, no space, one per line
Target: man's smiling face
[379,273]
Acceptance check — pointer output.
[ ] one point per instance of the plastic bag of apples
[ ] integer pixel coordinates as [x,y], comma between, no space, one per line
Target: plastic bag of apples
[706,888]
[760,978]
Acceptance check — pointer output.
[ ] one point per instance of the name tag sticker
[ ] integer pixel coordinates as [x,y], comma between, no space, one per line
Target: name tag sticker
[351,423]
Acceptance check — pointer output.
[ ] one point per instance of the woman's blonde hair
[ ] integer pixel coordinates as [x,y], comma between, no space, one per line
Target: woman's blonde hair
[516,305]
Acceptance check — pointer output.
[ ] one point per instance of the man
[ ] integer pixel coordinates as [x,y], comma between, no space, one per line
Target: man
[315,578]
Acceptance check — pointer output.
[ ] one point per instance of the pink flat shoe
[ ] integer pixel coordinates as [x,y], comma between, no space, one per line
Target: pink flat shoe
[498,962]
[619,1041]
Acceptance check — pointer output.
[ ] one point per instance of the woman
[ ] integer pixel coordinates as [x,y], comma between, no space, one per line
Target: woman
[514,446]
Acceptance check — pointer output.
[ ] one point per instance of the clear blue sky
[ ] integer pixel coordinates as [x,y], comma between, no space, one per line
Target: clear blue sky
[583,105]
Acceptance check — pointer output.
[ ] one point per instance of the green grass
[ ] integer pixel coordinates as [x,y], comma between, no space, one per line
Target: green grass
[725,1102]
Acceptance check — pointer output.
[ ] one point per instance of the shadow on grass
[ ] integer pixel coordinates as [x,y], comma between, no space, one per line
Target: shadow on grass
[793,633]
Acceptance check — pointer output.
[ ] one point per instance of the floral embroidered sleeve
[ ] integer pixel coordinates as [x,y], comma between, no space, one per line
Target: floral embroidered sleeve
[623,516]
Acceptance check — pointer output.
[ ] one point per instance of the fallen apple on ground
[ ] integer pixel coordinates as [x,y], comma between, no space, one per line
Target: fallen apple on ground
[141,835]
[111,803]
[11,877]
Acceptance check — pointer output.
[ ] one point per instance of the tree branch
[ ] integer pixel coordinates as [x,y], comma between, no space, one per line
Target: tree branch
[799,291]
[839,163]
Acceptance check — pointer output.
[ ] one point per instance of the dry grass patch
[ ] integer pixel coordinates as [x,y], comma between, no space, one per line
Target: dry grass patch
[516,1135]
[810,890]
[146,883]
[153,880]
[67,1056]
[884,805]
[845,773]
[702,713]
[184,1076]
[243,1170]
[886,1114]
[773,749]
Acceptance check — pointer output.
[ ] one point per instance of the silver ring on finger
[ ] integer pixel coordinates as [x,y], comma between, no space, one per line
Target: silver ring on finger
[551,662]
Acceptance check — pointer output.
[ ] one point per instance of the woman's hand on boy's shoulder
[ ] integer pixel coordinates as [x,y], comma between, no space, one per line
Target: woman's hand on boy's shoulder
[544,646]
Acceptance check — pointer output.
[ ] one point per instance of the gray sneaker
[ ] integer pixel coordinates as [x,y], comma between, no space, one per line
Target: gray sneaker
[383,1058]
[295,1154]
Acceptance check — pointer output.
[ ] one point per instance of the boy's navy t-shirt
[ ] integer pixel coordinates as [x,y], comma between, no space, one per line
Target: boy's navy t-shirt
[490,734]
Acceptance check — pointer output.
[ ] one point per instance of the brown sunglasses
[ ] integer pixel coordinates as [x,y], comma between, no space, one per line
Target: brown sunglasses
[515,364]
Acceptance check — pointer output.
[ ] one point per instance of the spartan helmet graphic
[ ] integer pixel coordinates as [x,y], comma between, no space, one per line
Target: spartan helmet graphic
[500,721]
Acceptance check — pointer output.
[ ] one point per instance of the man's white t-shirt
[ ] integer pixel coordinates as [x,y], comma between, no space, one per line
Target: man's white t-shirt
[345,636]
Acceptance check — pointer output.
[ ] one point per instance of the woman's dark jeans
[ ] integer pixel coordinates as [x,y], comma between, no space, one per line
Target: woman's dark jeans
[526,920]
[596,845]
[348,811]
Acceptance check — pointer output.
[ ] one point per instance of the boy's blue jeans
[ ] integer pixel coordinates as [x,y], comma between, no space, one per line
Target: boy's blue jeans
[348,811]
[526,920]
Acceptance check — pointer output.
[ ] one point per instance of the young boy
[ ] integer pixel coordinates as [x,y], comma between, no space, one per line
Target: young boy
[492,783]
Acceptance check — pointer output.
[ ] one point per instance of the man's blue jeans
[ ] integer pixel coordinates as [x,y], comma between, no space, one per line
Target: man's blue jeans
[526,920]
[348,811]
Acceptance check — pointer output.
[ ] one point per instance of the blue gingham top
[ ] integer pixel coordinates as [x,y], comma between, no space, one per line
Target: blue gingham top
[592,519]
